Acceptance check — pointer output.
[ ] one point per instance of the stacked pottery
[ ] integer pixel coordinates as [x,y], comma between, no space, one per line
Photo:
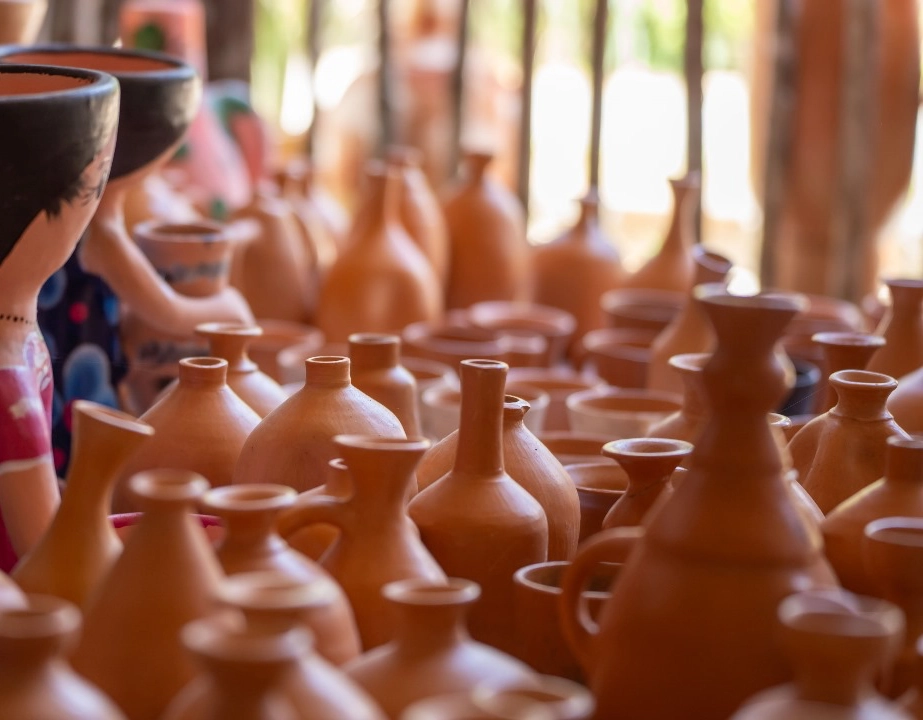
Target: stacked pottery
[902,329]
[377,371]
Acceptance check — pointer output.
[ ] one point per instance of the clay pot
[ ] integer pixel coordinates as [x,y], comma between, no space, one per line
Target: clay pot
[477,521]
[837,644]
[487,232]
[76,553]
[314,540]
[293,445]
[559,383]
[902,329]
[840,452]
[572,272]
[531,465]
[381,282]
[431,653]
[282,348]
[618,356]
[166,576]
[641,309]
[572,447]
[35,679]
[429,373]
[377,371]
[842,351]
[560,698]
[251,543]
[556,326]
[598,487]
[620,413]
[682,636]
[442,409]
[200,425]
[378,542]
[454,339]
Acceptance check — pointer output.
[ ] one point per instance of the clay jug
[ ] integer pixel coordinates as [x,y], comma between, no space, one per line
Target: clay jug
[489,257]
[837,644]
[532,466]
[572,272]
[80,547]
[431,653]
[902,329]
[293,445]
[672,268]
[899,492]
[649,463]
[381,281]
[200,425]
[840,452]
[476,520]
[687,422]
[377,371]
[314,540]
[378,542]
[274,603]
[251,543]
[35,680]
[166,576]
[688,631]
[842,351]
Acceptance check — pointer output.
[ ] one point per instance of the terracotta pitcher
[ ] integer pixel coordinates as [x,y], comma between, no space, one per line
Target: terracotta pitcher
[166,576]
[294,444]
[378,542]
[902,329]
[476,520]
[248,513]
[688,631]
[80,547]
[377,371]
[532,466]
[842,351]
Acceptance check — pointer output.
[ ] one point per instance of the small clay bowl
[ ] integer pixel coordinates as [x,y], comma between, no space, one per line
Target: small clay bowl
[620,413]
[440,411]
[599,485]
[559,383]
[641,309]
[556,326]
[618,356]
[283,347]
[571,447]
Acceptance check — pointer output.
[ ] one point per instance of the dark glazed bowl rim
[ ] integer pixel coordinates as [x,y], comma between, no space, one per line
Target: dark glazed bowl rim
[176,69]
[98,82]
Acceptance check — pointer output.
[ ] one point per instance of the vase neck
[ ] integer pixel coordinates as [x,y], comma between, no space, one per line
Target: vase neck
[862,395]
[685,195]
[203,372]
[476,166]
[480,430]
[430,617]
[229,342]
[648,462]
[373,351]
[381,473]
[327,371]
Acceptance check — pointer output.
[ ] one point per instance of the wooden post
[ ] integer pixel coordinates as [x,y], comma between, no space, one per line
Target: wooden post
[384,76]
[229,28]
[458,87]
[529,21]
[600,33]
[695,31]
[313,38]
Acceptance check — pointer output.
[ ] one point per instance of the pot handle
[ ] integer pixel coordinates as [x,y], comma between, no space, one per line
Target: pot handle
[312,510]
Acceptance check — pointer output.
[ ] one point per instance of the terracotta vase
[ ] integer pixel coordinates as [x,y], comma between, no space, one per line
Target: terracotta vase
[531,465]
[378,542]
[572,272]
[275,603]
[489,258]
[672,268]
[682,636]
[35,679]
[293,445]
[166,576]
[80,547]
[842,351]
[902,329]
[559,383]
[431,653]
[381,281]
[599,485]
[201,426]
[526,318]
[840,452]
[251,543]
[377,371]
[476,520]
[837,644]
[687,422]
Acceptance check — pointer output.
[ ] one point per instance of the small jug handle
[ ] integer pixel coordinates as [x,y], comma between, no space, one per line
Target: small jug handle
[313,510]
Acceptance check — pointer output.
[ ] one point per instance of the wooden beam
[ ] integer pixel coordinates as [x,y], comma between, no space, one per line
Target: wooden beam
[529,22]
[229,27]
[458,87]
[600,33]
[385,87]
[313,38]
[693,70]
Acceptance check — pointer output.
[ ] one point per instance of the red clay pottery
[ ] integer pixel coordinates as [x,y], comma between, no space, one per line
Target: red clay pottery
[460,706]
[688,631]
[843,351]
[80,547]
[559,383]
[293,445]
[687,422]
[200,425]
[441,409]
[572,447]
[905,402]
[560,698]
[556,326]
[381,282]
[642,308]
[378,542]
[431,653]
[902,329]
[377,371]
[620,413]
[477,521]
[324,219]
[282,348]
[840,452]
[251,543]
[599,485]
[454,339]
[314,540]
[617,356]
[572,272]
[166,576]
[531,465]
[429,373]
[837,644]
[35,680]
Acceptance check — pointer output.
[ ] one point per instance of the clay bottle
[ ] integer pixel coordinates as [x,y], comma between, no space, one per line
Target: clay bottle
[166,576]
[200,426]
[294,444]
[672,268]
[532,466]
[686,423]
[35,679]
[377,371]
[489,257]
[476,520]
[381,281]
[80,547]
[275,603]
[431,653]
[843,351]
[840,452]
[378,542]
[251,543]
[573,271]
[682,636]
[902,329]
